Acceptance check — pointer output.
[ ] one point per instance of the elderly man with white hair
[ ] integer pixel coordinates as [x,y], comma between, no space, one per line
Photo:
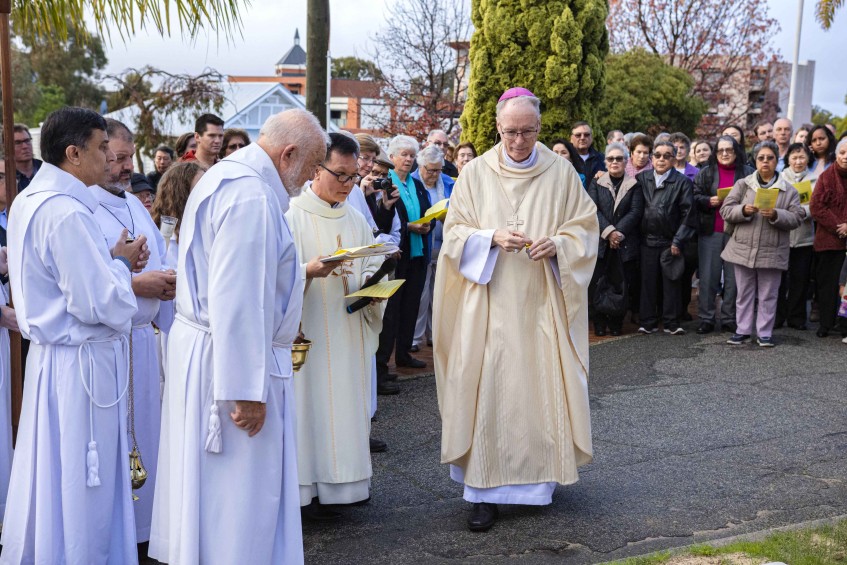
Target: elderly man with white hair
[510,319]
[411,201]
[438,138]
[439,186]
[227,490]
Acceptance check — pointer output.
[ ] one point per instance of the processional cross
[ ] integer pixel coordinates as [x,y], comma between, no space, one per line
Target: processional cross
[514,222]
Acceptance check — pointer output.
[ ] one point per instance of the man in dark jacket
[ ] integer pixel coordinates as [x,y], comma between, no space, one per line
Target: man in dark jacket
[668,223]
[582,138]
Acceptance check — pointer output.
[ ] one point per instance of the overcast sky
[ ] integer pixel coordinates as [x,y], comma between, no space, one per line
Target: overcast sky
[268,32]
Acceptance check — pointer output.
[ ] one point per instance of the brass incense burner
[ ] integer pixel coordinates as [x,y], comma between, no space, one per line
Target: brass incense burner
[299,352]
[137,472]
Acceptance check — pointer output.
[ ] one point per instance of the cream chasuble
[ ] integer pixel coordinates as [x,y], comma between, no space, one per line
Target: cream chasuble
[511,334]
[333,389]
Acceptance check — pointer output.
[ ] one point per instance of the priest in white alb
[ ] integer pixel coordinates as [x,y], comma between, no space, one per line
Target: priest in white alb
[226,490]
[154,291]
[333,388]
[70,498]
[510,320]
[7,323]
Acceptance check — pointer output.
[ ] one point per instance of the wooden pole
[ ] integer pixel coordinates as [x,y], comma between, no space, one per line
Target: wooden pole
[317,48]
[11,188]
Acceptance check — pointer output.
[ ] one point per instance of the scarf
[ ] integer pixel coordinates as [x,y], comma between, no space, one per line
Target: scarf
[409,196]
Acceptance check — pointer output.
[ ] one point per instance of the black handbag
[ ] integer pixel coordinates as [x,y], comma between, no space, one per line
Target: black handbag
[610,294]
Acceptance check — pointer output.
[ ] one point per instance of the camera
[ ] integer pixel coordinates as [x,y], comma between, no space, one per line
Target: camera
[382,184]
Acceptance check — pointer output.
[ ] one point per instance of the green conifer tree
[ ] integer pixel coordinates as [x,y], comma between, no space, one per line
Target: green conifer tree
[555,48]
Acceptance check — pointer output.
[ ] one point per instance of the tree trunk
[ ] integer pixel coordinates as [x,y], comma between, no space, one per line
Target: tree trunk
[317,47]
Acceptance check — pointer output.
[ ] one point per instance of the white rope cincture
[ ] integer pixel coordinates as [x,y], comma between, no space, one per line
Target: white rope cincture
[92,458]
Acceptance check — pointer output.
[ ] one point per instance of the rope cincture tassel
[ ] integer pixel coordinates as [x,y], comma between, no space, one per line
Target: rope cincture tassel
[92,460]
[214,443]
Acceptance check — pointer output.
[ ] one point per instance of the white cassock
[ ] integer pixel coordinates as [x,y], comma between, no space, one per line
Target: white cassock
[6,451]
[333,388]
[221,496]
[113,214]
[70,498]
[356,200]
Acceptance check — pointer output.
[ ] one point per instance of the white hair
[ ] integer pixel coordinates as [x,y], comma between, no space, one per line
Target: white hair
[401,142]
[520,100]
[434,132]
[430,155]
[620,147]
[293,127]
[841,144]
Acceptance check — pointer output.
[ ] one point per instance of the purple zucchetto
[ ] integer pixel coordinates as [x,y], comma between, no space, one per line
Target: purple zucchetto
[515,92]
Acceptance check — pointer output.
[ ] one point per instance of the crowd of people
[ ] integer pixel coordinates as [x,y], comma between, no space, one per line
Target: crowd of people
[161,311]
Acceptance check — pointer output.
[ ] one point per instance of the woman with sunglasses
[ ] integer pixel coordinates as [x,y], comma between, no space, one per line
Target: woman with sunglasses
[759,246]
[724,168]
[234,139]
[620,204]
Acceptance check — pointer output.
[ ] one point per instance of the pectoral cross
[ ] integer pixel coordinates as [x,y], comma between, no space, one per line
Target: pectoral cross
[514,222]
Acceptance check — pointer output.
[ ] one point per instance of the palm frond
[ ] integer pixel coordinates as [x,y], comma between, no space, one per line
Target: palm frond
[48,18]
[825,11]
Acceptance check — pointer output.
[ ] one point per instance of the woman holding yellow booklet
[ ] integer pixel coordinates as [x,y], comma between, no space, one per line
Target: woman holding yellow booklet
[759,246]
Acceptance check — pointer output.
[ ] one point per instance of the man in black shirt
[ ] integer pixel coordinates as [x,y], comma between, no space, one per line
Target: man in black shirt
[25,164]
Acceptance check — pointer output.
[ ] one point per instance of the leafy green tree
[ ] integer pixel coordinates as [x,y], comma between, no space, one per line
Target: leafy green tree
[555,48]
[643,93]
[354,68]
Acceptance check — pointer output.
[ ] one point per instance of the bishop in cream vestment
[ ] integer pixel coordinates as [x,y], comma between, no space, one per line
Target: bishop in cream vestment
[511,334]
[333,389]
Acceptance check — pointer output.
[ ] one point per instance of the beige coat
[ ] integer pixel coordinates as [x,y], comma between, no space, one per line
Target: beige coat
[511,356]
[758,243]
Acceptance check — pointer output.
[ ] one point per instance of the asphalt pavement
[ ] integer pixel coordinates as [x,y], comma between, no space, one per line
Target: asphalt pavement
[694,440]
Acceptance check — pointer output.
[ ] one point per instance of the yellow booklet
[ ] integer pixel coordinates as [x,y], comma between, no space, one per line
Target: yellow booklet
[766,198]
[805,190]
[357,252]
[723,193]
[384,289]
[437,212]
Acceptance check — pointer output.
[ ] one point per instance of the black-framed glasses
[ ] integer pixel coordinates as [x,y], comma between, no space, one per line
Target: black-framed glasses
[615,159]
[433,171]
[665,156]
[342,178]
[581,135]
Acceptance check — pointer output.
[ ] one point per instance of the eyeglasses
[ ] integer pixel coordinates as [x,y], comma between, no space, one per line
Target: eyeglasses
[765,158]
[366,159]
[580,135]
[433,171]
[19,142]
[235,146]
[726,150]
[665,156]
[526,134]
[615,159]
[343,179]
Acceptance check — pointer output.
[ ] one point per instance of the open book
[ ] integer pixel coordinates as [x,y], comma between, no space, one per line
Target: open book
[358,252]
[437,212]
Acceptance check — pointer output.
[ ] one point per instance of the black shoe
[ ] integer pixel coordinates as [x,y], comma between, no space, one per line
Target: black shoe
[414,349]
[317,512]
[822,333]
[599,332]
[801,327]
[410,362]
[387,388]
[378,446]
[482,517]
[615,332]
[729,328]
[705,328]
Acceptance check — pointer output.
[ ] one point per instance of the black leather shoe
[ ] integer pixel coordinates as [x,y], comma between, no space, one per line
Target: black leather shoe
[378,446]
[705,328]
[414,349]
[410,362]
[317,512]
[822,333]
[615,332]
[730,327]
[482,517]
[599,332]
[387,388]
